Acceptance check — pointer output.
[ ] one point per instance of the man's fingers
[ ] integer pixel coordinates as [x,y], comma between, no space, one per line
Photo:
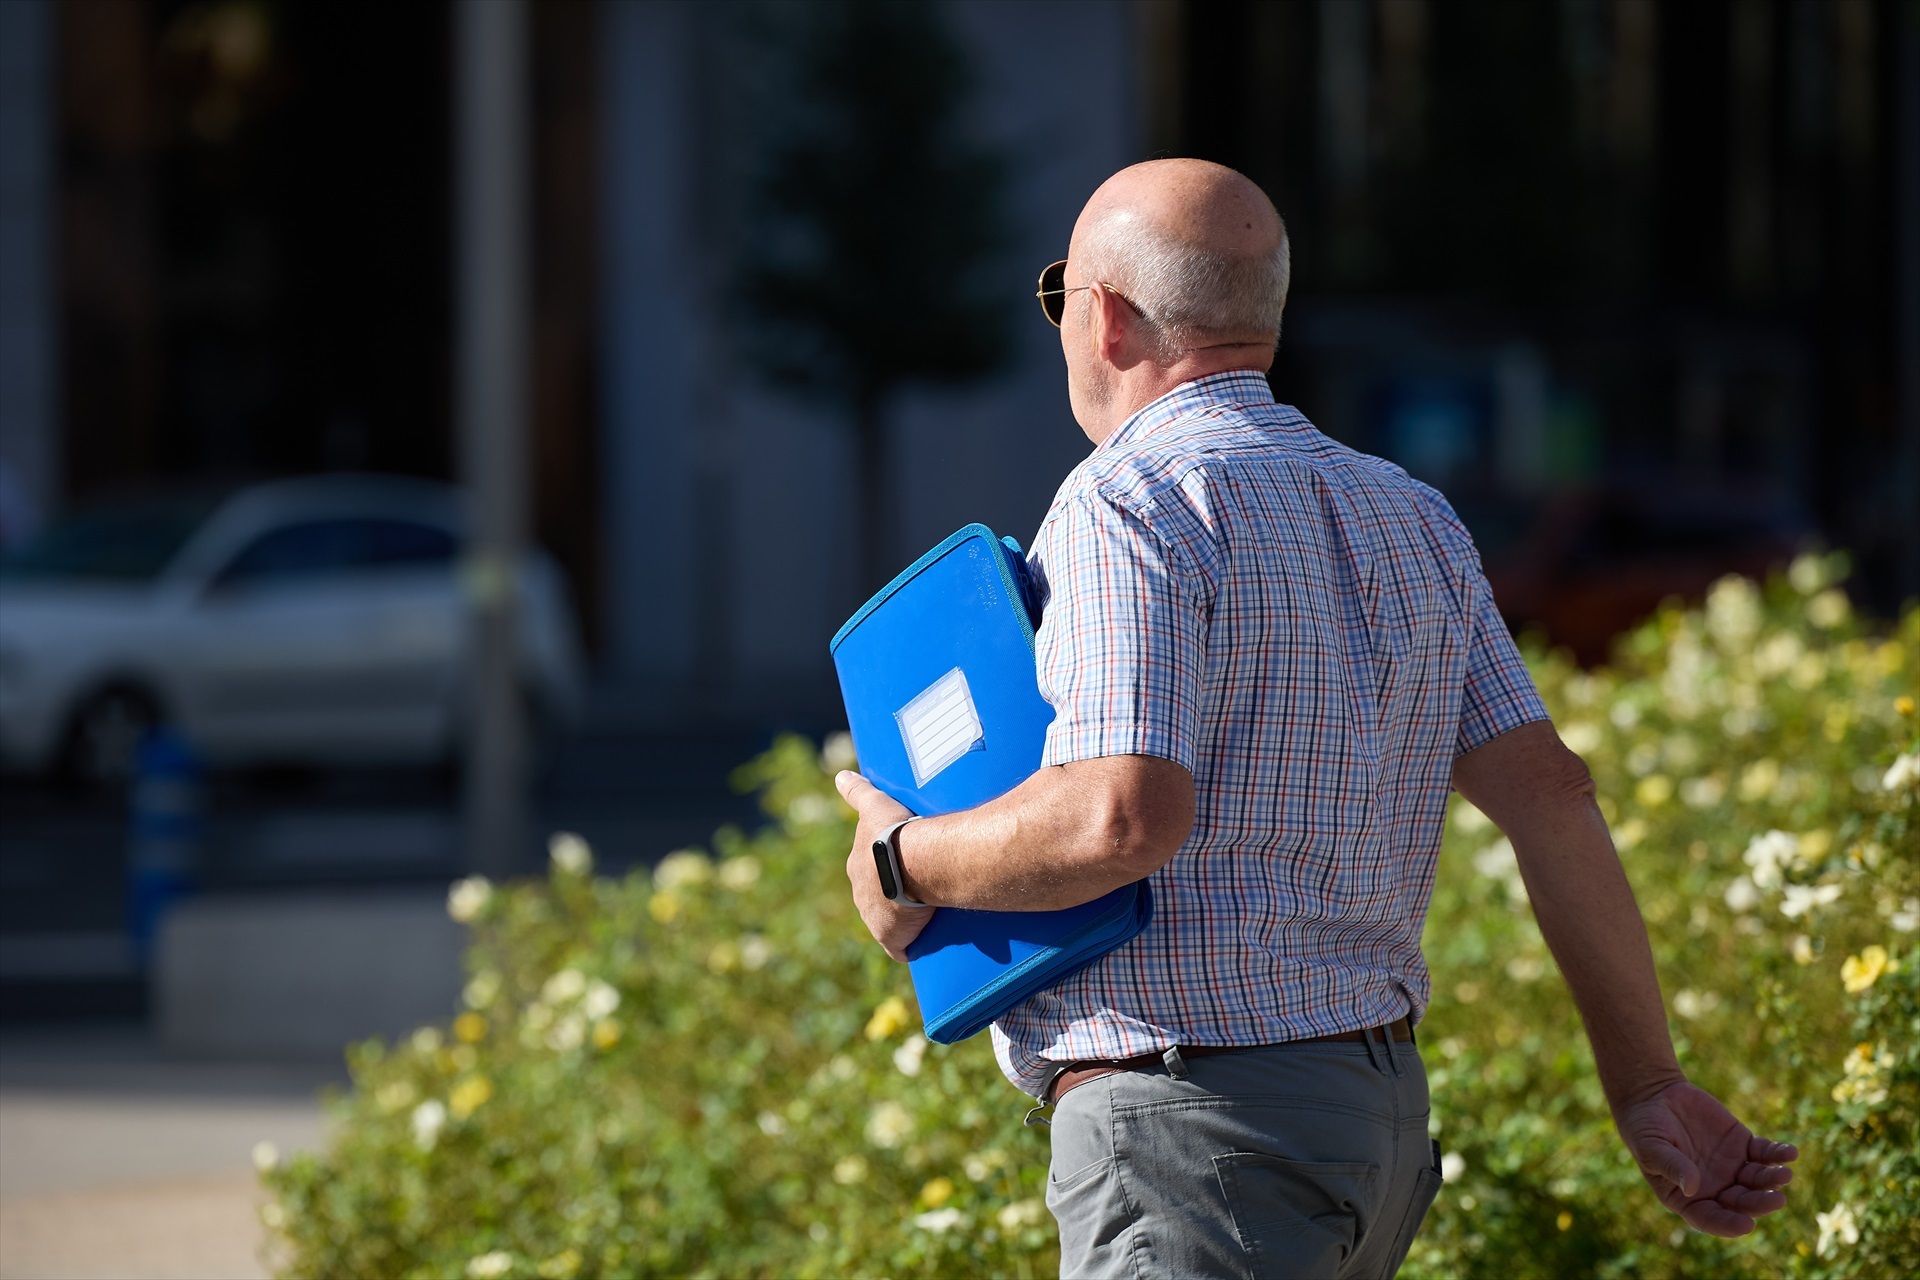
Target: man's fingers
[1763,1176]
[850,786]
[1716,1219]
[1766,1151]
[1667,1161]
[1749,1201]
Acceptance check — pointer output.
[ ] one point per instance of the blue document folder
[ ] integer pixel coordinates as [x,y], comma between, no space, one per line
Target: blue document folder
[937,671]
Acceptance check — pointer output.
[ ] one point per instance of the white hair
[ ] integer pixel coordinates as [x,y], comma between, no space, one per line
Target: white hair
[1186,293]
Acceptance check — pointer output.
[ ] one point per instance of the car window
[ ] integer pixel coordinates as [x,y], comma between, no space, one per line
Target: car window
[316,548]
[125,544]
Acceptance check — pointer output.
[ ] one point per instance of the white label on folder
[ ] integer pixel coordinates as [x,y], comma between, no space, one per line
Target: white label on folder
[940,725]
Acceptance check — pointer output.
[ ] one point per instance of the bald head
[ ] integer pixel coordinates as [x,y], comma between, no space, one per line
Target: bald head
[1196,247]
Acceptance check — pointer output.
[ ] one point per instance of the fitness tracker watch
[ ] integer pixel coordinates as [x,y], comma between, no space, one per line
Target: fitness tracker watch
[886,860]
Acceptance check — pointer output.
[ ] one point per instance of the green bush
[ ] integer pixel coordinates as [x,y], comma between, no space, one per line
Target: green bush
[710,1069]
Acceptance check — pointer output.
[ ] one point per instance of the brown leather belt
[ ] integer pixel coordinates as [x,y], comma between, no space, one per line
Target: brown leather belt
[1079,1073]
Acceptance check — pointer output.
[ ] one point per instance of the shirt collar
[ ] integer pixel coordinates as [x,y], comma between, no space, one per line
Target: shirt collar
[1236,387]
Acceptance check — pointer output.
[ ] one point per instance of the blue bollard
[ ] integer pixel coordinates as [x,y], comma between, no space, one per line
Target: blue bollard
[167,823]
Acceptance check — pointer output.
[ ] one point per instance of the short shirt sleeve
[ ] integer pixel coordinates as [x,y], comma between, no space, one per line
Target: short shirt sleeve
[1499,692]
[1121,644]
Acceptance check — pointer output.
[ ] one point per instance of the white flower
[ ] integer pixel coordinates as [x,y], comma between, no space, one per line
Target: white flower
[836,753]
[490,1266]
[1022,1213]
[425,1040]
[1828,609]
[428,1119]
[468,898]
[1703,792]
[1903,774]
[771,1125]
[1836,1224]
[682,869]
[1807,573]
[265,1155]
[755,951]
[739,873]
[907,1057]
[1907,918]
[1733,610]
[570,854]
[1768,854]
[889,1125]
[1452,1165]
[600,1001]
[940,1219]
[1741,895]
[481,989]
[568,984]
[1525,968]
[809,810]
[1801,898]
[1692,1004]
[848,1170]
[273,1216]
[568,1034]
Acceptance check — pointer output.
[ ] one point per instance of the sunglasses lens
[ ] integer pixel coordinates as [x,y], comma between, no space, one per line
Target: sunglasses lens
[1052,300]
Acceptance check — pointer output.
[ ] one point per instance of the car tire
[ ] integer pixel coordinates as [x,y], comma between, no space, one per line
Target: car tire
[100,749]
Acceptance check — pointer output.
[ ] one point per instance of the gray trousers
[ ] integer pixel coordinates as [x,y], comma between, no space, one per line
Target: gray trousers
[1297,1160]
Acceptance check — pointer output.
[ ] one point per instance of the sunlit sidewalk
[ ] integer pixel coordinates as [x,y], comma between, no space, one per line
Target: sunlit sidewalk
[116,1160]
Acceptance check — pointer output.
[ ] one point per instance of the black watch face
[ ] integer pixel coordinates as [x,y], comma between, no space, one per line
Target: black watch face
[884,865]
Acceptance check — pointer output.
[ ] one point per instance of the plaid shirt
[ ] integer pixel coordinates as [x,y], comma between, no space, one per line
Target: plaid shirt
[1306,628]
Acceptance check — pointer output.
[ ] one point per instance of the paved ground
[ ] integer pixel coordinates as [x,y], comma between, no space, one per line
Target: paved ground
[118,1161]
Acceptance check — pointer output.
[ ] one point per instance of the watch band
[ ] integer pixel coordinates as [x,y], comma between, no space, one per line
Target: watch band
[886,860]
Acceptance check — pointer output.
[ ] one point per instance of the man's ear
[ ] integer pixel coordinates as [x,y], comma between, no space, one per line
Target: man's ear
[1115,328]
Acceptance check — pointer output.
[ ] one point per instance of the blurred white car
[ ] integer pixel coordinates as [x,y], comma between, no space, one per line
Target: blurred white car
[318,621]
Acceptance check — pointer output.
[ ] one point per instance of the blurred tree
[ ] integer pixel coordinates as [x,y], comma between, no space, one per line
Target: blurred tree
[874,222]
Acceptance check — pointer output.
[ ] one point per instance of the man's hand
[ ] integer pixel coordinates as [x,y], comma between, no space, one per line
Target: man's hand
[1705,1165]
[892,925]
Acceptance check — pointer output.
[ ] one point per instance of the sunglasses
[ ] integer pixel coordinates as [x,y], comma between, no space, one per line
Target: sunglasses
[1053,292]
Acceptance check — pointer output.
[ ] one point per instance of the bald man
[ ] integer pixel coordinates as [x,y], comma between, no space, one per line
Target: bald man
[1270,657]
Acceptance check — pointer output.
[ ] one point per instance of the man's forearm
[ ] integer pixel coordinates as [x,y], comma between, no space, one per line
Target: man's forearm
[1593,926]
[1046,844]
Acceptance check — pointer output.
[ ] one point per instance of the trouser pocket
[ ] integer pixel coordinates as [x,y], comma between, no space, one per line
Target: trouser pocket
[1426,1188]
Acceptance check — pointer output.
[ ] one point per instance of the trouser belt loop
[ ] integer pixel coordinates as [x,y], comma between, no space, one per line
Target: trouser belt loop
[1366,1033]
[1386,1035]
[1176,1065]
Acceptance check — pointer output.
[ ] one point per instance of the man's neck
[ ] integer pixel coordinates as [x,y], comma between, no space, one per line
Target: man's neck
[1141,385]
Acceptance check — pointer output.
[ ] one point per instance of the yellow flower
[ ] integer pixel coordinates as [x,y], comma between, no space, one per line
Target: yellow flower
[470,1028]
[664,907]
[606,1033]
[469,1096]
[1564,1221]
[1903,705]
[564,1265]
[889,1019]
[1862,971]
[849,1170]
[1802,949]
[1654,790]
[936,1193]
